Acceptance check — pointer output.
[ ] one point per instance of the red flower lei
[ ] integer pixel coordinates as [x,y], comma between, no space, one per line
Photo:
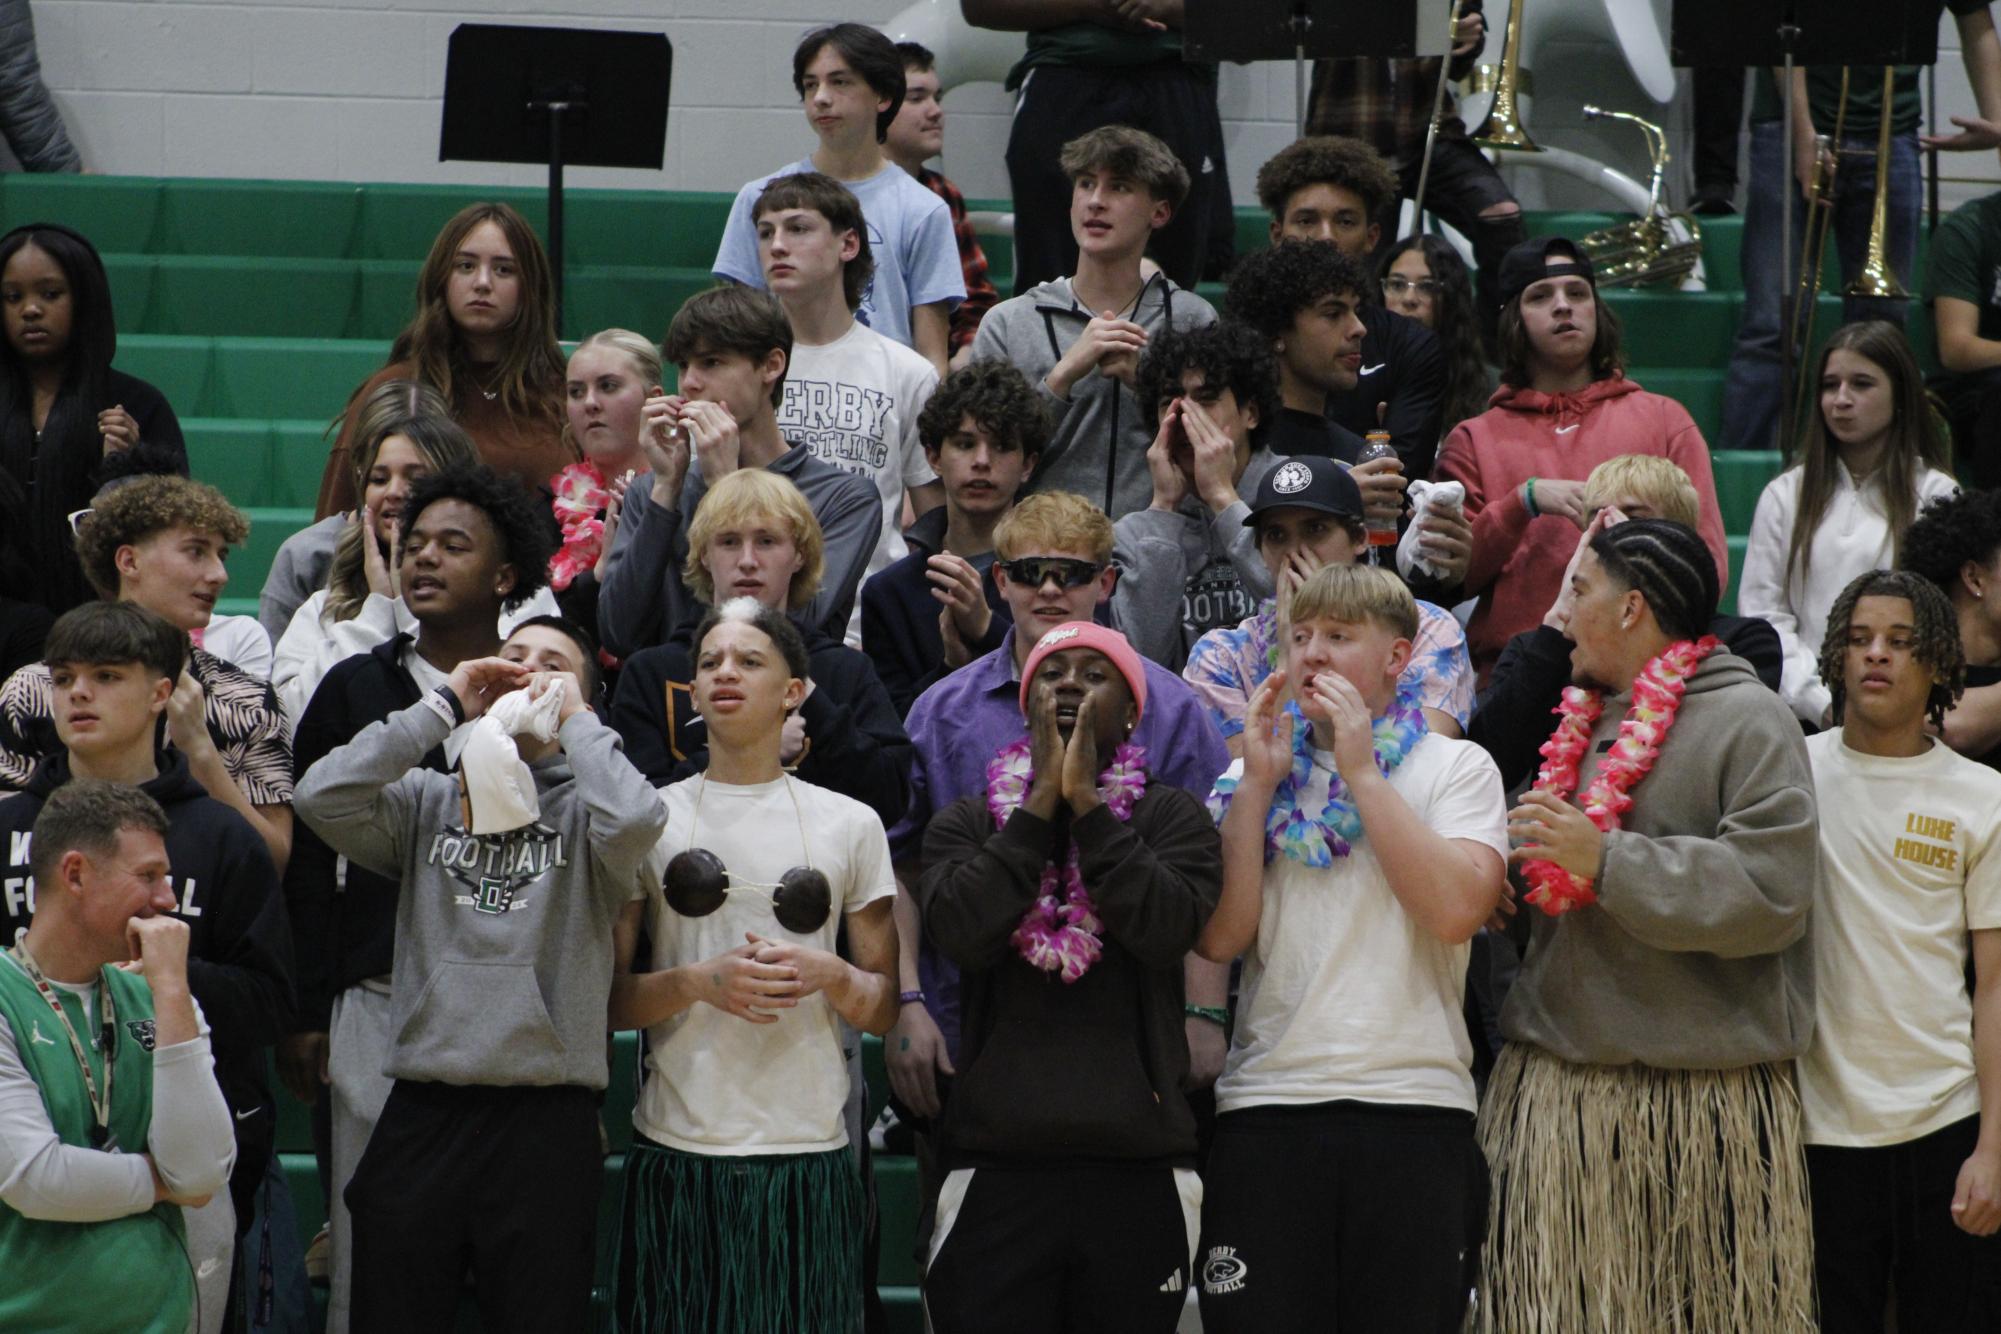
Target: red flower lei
[1657,693]
[580,500]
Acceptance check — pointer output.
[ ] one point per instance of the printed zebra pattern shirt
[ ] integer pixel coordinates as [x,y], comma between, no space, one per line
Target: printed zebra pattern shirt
[244,720]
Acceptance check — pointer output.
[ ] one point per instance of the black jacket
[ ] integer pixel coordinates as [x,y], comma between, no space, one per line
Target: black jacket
[343,917]
[856,745]
[239,941]
[1514,716]
[1088,1071]
[900,628]
[1408,374]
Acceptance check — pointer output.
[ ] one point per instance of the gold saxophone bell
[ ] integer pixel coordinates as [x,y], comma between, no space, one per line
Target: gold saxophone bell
[1503,128]
[1877,279]
[1659,248]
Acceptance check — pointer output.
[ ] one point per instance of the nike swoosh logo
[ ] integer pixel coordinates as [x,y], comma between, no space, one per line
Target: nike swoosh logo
[1566,430]
[1371,370]
[245,1116]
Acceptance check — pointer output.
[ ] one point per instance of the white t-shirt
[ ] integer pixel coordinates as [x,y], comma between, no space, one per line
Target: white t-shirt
[854,403]
[720,1084]
[1344,995]
[1911,851]
[909,236]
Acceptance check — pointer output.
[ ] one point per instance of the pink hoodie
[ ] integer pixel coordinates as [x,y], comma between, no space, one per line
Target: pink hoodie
[1518,561]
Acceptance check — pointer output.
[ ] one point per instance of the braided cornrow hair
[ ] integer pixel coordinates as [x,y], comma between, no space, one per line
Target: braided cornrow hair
[1671,567]
[1933,622]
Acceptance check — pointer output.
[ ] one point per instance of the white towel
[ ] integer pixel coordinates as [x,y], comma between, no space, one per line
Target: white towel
[1424,497]
[496,787]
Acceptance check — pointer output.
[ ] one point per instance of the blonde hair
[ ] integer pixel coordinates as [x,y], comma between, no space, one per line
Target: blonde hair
[736,501]
[1355,593]
[1659,482]
[636,348]
[1054,521]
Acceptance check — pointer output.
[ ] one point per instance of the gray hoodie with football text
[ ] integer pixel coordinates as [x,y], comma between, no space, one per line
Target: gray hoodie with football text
[503,956]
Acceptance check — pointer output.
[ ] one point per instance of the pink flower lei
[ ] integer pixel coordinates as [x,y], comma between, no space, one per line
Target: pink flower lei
[1062,935]
[581,496]
[1657,693]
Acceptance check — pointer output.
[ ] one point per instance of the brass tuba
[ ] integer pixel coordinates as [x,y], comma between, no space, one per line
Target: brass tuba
[1503,128]
[1658,248]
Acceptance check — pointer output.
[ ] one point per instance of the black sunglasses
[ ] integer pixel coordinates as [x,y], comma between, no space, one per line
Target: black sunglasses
[1034,571]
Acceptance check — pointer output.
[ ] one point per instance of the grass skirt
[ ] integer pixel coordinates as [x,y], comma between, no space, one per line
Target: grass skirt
[713,1244]
[1630,1199]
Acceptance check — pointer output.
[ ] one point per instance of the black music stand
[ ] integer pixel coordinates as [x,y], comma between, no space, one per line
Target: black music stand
[1731,34]
[557,95]
[1245,30]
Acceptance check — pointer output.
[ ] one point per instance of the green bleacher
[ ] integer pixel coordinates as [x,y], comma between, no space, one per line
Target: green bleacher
[257,306]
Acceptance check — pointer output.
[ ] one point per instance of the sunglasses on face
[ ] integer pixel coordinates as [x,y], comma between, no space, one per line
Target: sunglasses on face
[1034,571]
[1400,286]
[697,882]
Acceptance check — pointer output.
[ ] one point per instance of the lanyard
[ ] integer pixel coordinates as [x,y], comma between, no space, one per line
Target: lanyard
[100,1110]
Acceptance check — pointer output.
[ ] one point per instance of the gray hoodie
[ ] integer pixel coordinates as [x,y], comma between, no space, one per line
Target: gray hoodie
[1185,572]
[1098,435]
[503,941]
[1696,954]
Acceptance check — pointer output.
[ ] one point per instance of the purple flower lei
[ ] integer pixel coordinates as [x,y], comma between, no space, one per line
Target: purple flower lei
[1062,935]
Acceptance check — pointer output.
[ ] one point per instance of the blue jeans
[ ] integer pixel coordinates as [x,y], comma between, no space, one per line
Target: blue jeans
[1751,407]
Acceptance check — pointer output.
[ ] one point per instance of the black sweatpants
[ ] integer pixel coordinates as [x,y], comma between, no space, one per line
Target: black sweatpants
[1176,103]
[1075,1250]
[1882,1221]
[499,1181]
[1340,1218]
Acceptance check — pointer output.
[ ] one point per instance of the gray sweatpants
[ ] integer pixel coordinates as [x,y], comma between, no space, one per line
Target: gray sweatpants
[358,1047]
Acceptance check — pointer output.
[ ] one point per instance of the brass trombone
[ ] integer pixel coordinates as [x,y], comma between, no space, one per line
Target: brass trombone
[1503,128]
[1876,279]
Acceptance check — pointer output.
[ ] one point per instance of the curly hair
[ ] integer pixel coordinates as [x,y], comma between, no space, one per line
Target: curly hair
[526,536]
[135,511]
[1229,354]
[1455,319]
[1935,628]
[1270,287]
[1327,159]
[996,396]
[1952,531]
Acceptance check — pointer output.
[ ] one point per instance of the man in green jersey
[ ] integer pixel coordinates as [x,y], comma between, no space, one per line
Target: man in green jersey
[110,1116]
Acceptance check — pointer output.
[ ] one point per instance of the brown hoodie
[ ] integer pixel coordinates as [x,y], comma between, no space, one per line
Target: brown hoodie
[1696,954]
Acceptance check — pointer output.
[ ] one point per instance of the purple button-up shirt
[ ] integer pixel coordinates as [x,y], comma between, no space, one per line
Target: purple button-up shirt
[958,725]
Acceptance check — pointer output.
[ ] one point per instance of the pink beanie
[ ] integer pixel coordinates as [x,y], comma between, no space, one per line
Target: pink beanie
[1091,635]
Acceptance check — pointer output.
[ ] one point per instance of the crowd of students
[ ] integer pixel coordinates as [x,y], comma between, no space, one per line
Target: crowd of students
[1553,951]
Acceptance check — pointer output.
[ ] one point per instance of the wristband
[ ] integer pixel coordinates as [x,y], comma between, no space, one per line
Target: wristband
[1528,499]
[1218,1015]
[446,705]
[910,998]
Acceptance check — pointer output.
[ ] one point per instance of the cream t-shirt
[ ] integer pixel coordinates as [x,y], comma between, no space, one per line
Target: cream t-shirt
[720,1084]
[1344,995]
[1912,854]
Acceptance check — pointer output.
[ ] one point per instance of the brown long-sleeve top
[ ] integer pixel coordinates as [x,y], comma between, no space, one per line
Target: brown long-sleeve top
[530,451]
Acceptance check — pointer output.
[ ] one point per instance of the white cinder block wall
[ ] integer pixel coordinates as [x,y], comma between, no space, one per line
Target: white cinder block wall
[351,89]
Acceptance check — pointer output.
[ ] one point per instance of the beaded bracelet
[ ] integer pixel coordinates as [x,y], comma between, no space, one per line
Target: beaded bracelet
[910,998]
[1218,1015]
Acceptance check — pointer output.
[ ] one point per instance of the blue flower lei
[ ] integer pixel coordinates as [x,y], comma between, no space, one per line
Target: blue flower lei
[1316,842]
